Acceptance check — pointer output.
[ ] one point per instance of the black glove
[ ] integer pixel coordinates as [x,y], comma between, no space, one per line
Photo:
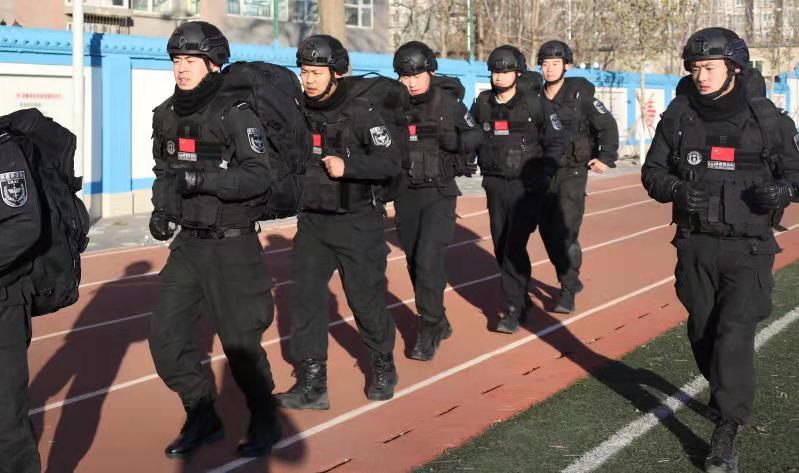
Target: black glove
[774,195]
[189,181]
[465,168]
[159,227]
[688,197]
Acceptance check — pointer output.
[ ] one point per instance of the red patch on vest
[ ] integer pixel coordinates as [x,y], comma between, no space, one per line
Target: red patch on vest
[317,139]
[722,154]
[187,145]
[501,125]
[412,129]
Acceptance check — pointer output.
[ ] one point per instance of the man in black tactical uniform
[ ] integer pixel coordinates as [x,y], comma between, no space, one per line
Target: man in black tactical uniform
[212,176]
[729,163]
[21,218]
[591,142]
[442,141]
[340,226]
[515,173]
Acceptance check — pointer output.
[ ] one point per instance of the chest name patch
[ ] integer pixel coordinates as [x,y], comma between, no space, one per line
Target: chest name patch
[501,128]
[722,159]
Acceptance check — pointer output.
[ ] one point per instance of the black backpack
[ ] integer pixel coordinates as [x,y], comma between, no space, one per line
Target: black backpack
[65,221]
[390,98]
[275,94]
[531,83]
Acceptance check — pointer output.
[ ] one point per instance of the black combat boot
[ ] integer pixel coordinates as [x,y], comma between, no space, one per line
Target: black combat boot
[565,304]
[722,457]
[510,318]
[431,333]
[384,377]
[263,433]
[202,426]
[310,390]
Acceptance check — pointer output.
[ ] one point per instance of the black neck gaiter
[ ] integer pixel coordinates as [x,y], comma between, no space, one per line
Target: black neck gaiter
[335,99]
[187,102]
[722,108]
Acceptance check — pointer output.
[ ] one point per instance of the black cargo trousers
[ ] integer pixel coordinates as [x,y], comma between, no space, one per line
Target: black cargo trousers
[426,225]
[18,452]
[562,216]
[355,244]
[514,212]
[224,279]
[725,284]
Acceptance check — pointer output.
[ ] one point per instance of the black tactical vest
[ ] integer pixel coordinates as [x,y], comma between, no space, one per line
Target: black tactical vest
[570,116]
[198,141]
[727,166]
[511,136]
[428,165]
[331,136]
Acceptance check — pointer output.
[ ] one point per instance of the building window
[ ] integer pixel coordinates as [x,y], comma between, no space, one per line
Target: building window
[305,11]
[358,13]
[177,7]
[257,8]
[104,3]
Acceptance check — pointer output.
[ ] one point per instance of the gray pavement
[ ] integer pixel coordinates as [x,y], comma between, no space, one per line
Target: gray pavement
[132,231]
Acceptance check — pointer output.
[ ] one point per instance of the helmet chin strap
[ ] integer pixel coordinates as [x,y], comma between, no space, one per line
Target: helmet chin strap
[502,90]
[730,75]
[330,85]
[562,73]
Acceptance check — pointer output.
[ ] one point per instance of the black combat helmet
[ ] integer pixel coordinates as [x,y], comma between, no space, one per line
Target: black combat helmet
[323,50]
[715,43]
[555,50]
[199,38]
[506,58]
[414,58]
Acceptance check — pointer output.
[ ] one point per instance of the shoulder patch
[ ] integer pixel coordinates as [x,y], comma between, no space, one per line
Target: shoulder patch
[469,120]
[14,188]
[600,107]
[380,136]
[256,139]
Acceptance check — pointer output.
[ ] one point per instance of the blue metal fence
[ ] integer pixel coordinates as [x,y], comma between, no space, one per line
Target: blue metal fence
[117,56]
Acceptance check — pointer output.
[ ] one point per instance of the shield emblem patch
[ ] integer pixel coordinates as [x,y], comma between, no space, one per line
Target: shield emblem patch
[14,188]
[600,107]
[555,121]
[380,136]
[469,120]
[256,137]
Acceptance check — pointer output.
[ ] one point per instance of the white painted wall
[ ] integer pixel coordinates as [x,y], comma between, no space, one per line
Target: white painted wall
[49,88]
[150,88]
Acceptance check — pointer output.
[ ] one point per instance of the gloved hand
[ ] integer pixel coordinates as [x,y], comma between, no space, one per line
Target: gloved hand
[774,195]
[448,139]
[160,227]
[688,197]
[189,181]
[465,168]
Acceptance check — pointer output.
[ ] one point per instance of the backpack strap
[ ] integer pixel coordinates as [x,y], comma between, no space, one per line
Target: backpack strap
[767,114]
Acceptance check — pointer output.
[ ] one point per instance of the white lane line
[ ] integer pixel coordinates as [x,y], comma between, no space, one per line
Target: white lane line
[91,326]
[614,189]
[284,250]
[332,324]
[347,416]
[284,283]
[94,254]
[599,455]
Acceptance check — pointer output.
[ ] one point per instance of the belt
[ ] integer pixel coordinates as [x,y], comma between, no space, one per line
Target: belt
[209,234]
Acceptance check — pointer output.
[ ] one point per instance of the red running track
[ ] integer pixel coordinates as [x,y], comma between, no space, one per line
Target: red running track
[98,405]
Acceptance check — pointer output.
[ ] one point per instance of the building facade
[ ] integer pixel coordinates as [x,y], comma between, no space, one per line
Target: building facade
[242,21]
